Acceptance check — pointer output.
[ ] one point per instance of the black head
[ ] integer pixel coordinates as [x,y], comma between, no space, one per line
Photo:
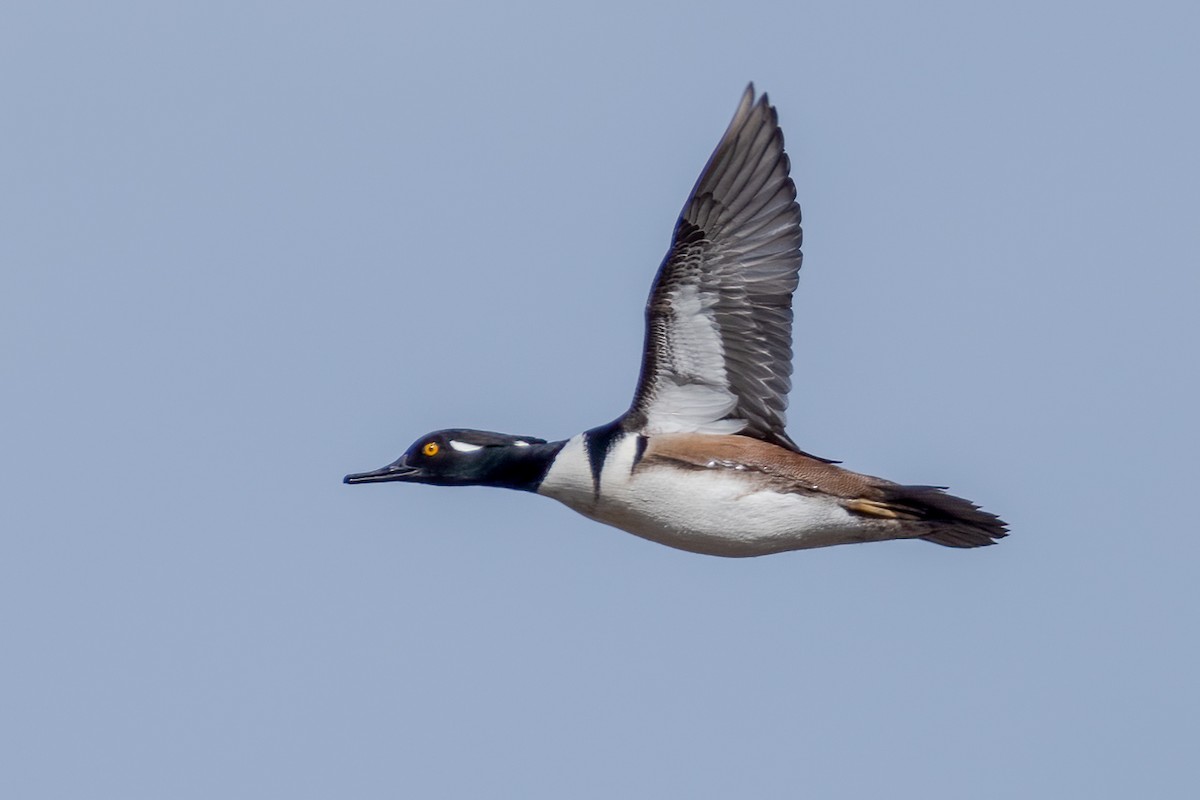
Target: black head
[464,457]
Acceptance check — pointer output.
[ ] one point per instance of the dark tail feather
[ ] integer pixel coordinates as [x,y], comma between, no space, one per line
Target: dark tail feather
[944,519]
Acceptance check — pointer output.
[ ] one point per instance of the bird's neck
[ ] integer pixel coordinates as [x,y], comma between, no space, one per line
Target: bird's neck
[520,467]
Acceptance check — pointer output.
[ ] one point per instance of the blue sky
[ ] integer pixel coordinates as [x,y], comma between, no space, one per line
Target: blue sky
[250,247]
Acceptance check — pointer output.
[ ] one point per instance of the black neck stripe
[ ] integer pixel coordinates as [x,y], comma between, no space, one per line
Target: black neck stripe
[597,442]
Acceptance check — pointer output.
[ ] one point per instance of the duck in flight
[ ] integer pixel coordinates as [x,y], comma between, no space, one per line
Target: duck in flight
[701,460]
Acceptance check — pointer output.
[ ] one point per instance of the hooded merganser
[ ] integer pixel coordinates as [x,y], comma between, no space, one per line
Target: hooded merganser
[701,461]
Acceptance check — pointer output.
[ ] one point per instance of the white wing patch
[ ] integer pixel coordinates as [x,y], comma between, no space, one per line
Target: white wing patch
[694,395]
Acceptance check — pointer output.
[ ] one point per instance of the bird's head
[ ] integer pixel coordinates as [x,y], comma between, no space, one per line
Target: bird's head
[464,457]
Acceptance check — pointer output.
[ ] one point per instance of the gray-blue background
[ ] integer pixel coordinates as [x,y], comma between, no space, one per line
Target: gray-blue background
[249,246]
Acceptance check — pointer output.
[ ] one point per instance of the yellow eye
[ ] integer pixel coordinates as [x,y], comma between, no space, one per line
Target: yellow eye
[430,449]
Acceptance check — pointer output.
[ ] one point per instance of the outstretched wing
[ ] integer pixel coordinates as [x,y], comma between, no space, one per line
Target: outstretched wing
[718,352]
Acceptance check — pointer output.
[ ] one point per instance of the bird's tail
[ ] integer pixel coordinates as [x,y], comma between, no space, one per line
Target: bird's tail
[929,513]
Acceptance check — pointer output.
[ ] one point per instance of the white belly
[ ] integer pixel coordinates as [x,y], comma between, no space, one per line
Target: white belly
[716,512]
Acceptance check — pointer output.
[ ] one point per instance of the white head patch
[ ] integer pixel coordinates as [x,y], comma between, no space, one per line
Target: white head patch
[465,447]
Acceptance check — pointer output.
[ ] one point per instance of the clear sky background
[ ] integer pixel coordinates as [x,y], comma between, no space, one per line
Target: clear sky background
[249,247]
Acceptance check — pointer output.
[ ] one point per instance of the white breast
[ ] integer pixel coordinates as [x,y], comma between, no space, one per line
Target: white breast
[719,511]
